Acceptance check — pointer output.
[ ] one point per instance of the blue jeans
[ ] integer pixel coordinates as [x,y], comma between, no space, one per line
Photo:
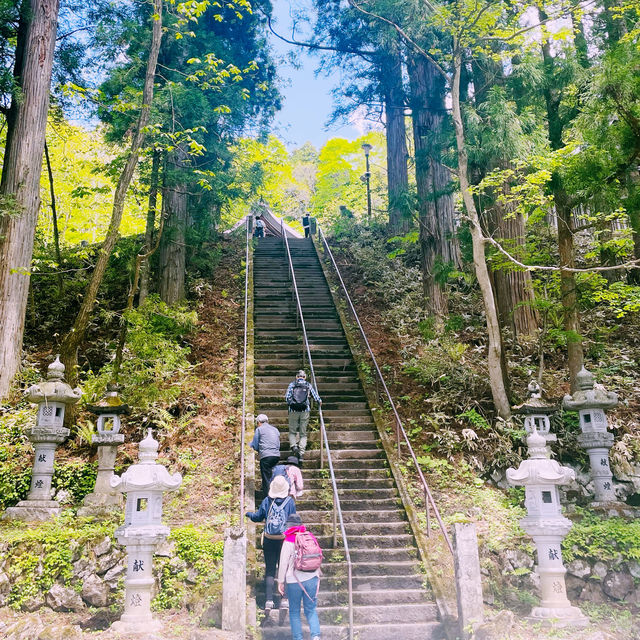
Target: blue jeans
[297,596]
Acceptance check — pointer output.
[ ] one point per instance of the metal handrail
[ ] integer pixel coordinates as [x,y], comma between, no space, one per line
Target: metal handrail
[400,430]
[337,510]
[243,428]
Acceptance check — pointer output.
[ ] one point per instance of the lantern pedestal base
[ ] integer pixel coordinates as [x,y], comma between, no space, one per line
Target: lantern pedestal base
[558,616]
[33,510]
[132,627]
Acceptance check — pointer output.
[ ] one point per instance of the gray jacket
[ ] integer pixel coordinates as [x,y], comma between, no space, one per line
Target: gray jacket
[266,441]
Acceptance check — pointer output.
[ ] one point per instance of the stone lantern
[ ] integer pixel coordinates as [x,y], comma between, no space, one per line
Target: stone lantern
[104,498]
[52,397]
[590,404]
[537,413]
[144,483]
[545,523]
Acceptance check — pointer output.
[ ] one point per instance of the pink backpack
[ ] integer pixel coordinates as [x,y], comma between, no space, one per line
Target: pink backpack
[308,552]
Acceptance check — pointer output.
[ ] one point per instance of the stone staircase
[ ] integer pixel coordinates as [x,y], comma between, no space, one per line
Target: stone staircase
[389,594]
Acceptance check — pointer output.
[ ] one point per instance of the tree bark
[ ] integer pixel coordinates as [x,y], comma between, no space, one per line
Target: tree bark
[497,374]
[71,342]
[54,220]
[438,242]
[396,133]
[568,289]
[513,287]
[148,233]
[173,250]
[20,185]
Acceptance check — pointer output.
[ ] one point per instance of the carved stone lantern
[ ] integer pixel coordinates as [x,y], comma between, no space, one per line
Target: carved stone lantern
[537,413]
[545,523]
[52,397]
[590,403]
[104,498]
[144,483]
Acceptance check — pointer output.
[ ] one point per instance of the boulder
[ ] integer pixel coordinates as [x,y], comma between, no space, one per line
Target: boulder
[579,568]
[518,559]
[618,585]
[634,568]
[60,632]
[95,591]
[600,570]
[114,574]
[26,628]
[5,584]
[62,598]
[104,546]
[107,561]
[593,593]
[575,586]
[497,628]
[33,604]
[83,568]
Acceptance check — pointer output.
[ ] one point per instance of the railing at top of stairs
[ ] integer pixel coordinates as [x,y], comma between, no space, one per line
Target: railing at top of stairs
[401,434]
[324,440]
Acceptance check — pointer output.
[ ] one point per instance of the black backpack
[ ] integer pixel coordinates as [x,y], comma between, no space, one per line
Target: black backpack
[299,396]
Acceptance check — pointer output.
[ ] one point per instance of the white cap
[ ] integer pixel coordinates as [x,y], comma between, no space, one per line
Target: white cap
[262,418]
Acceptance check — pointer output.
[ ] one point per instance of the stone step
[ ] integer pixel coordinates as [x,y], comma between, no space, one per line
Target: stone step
[416,631]
[353,511]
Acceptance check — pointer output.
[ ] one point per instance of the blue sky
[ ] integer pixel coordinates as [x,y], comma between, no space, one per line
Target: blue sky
[307,98]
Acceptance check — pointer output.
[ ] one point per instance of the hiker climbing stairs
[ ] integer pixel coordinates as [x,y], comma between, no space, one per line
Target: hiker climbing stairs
[389,595]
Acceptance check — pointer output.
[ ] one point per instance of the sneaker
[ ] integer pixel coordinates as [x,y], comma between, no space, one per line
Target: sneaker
[295,451]
[268,605]
[315,638]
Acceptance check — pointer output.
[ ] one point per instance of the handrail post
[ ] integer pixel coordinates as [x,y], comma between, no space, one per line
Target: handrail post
[243,428]
[426,506]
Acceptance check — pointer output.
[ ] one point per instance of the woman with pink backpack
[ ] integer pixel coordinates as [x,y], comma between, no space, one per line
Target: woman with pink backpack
[299,572]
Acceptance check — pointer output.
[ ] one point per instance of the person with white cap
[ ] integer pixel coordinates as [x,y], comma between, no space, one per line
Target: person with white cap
[266,441]
[297,399]
[275,510]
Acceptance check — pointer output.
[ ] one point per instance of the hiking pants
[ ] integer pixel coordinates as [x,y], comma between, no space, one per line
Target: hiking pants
[298,422]
[259,232]
[308,600]
[271,549]
[266,469]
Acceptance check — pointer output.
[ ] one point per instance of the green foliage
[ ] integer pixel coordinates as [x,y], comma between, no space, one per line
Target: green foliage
[78,478]
[41,554]
[201,551]
[15,454]
[155,367]
[594,538]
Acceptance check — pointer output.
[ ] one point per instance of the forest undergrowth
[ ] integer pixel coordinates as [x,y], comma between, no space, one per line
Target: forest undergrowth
[180,376]
[437,377]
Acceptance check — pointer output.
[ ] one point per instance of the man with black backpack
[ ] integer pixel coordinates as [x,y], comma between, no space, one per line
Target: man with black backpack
[275,510]
[297,399]
[266,441]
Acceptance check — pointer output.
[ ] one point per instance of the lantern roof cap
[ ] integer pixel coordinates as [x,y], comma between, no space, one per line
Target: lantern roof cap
[147,474]
[539,468]
[535,403]
[589,395]
[54,388]
[110,402]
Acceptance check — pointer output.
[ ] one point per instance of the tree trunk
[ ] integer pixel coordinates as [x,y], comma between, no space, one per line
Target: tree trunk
[397,173]
[632,205]
[173,250]
[513,287]
[71,342]
[495,363]
[568,290]
[438,243]
[20,185]
[148,233]
[54,220]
